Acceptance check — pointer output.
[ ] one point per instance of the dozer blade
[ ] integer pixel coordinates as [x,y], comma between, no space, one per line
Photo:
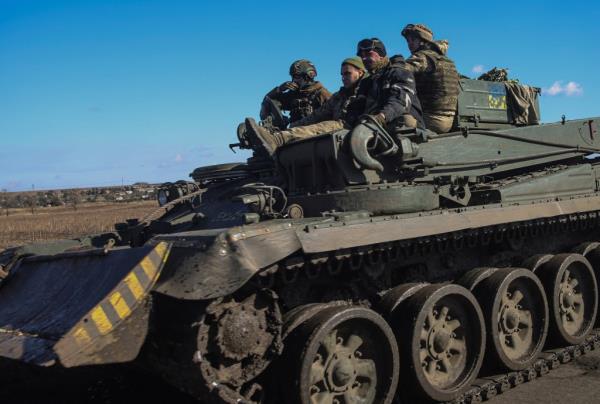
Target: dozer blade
[79,308]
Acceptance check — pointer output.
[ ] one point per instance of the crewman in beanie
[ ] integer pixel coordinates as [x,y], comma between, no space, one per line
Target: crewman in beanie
[352,71]
[436,77]
[330,117]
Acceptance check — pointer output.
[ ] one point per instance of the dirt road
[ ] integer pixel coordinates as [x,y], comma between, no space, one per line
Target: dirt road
[577,382]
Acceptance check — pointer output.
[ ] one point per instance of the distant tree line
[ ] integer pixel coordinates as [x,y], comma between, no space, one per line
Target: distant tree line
[74,197]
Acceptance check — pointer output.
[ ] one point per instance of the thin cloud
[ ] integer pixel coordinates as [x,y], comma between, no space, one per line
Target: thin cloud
[172,162]
[570,89]
[573,88]
[478,69]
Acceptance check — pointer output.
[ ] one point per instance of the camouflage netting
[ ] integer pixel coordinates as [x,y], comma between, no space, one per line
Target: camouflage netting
[496,74]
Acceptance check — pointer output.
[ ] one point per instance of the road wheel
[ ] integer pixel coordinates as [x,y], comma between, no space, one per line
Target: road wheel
[591,251]
[344,354]
[440,331]
[515,309]
[572,293]
[396,296]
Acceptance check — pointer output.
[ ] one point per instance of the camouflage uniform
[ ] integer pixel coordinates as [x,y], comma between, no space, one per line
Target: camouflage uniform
[300,102]
[330,117]
[306,131]
[436,78]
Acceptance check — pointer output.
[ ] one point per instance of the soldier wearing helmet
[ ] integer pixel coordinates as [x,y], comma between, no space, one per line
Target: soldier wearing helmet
[330,117]
[301,96]
[436,77]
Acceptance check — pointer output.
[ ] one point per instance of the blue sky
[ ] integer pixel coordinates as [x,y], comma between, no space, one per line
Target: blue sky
[93,93]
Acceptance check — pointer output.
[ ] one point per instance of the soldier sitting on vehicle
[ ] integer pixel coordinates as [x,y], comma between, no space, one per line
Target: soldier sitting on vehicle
[436,77]
[389,93]
[329,118]
[301,96]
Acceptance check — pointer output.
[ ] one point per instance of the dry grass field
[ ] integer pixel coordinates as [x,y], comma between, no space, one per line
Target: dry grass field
[21,226]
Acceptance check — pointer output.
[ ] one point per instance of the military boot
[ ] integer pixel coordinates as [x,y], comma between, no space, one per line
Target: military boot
[261,137]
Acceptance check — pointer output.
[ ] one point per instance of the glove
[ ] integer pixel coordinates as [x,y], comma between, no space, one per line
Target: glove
[288,86]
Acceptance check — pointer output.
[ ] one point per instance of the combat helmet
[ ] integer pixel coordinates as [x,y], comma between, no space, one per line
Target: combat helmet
[303,67]
[418,30]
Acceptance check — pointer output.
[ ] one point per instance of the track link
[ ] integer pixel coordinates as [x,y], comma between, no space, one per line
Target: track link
[486,388]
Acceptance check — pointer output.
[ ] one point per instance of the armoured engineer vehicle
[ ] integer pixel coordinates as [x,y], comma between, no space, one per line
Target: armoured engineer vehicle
[353,267]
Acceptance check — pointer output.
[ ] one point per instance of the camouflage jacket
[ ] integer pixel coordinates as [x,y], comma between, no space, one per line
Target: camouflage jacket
[390,90]
[335,108]
[300,103]
[436,78]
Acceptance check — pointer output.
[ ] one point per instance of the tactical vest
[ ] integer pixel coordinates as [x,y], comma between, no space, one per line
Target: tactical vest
[437,89]
[305,104]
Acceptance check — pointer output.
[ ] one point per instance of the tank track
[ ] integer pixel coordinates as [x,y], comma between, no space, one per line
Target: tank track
[355,259]
[486,388]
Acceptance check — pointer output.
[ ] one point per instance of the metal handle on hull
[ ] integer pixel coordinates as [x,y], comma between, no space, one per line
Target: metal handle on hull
[360,138]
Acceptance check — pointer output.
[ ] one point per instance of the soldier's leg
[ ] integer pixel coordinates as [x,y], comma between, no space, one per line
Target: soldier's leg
[304,132]
[438,123]
[409,121]
[269,140]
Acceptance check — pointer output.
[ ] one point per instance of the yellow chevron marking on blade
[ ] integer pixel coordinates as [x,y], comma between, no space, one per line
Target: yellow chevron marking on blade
[102,322]
[120,305]
[81,336]
[149,267]
[134,285]
[161,249]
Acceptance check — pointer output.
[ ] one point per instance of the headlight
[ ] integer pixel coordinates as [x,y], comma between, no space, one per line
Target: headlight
[163,197]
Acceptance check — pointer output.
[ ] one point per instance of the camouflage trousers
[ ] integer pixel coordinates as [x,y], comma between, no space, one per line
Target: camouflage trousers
[438,123]
[409,121]
[303,132]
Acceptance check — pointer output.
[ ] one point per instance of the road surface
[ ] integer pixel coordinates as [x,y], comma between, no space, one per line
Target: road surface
[577,382]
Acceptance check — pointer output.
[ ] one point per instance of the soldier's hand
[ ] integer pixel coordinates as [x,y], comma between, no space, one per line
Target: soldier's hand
[288,85]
